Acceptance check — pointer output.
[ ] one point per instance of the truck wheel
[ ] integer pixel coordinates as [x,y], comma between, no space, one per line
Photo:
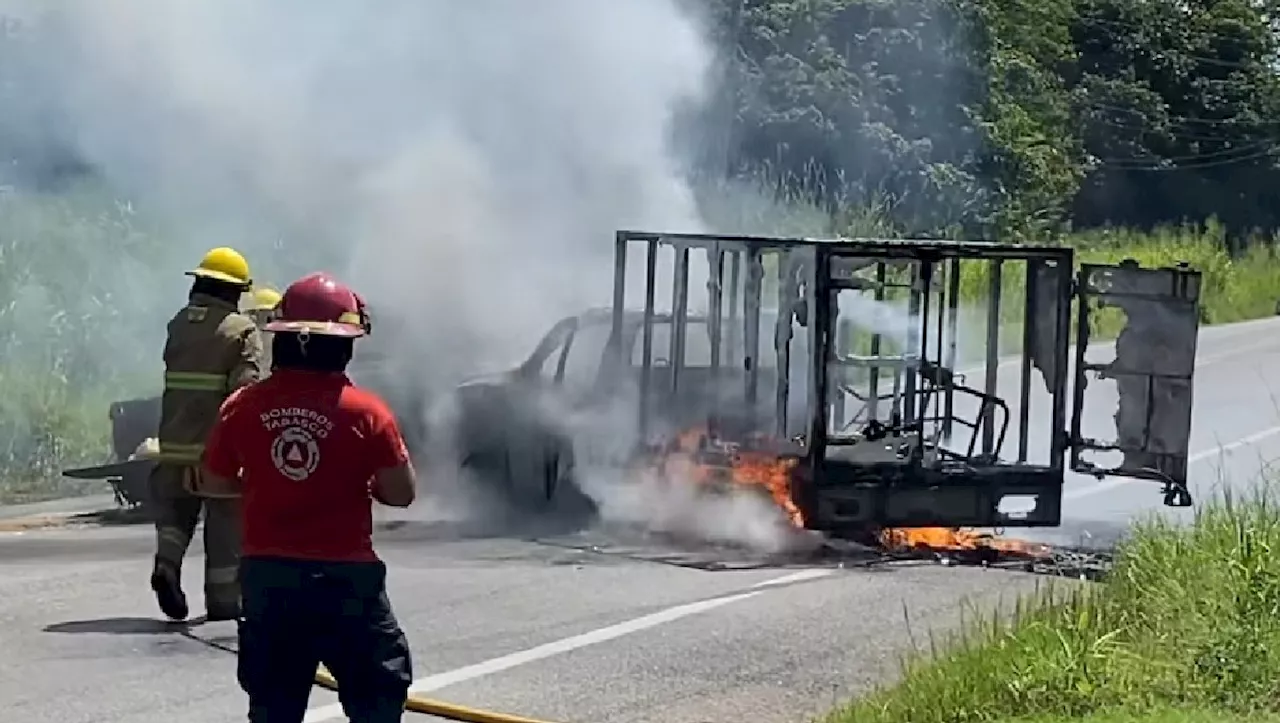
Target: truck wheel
[566,499]
[530,483]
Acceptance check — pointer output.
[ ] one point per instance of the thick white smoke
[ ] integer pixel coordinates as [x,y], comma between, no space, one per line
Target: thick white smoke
[463,164]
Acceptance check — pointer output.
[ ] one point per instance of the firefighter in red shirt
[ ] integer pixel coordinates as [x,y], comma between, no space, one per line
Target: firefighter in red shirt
[309,452]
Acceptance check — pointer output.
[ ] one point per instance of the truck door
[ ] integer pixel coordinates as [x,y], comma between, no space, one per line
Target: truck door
[1154,314]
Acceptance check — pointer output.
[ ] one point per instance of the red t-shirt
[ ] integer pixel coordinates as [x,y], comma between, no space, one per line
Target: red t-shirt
[306,446]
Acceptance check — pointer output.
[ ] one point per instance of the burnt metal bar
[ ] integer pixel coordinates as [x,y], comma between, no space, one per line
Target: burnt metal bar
[940,333]
[915,346]
[926,297]
[735,288]
[873,381]
[646,335]
[953,331]
[679,316]
[816,365]
[751,331]
[715,301]
[820,337]
[1028,341]
[1083,333]
[782,343]
[996,277]
[621,248]
[895,407]
[844,345]
[1061,343]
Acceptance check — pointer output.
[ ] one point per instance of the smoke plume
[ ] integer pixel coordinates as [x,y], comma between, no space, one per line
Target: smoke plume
[463,164]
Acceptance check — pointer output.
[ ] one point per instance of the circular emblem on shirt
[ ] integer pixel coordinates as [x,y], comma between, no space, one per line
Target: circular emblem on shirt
[295,453]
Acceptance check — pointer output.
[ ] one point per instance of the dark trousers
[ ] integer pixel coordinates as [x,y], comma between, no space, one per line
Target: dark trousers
[298,614]
[177,512]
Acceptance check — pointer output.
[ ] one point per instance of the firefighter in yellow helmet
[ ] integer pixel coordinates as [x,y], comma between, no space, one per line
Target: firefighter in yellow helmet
[261,305]
[212,349]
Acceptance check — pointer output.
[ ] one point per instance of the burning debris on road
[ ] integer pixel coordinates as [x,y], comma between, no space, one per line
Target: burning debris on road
[698,457]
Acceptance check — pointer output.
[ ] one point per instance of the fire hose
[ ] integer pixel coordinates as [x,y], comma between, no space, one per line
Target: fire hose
[414,703]
[438,708]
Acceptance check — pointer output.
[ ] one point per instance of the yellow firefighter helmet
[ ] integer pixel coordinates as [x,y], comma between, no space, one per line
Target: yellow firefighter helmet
[263,298]
[224,264]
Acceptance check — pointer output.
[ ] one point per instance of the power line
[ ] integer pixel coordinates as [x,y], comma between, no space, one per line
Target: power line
[1244,154]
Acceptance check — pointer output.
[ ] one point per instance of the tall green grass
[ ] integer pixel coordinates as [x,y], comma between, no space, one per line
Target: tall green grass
[1188,625]
[75,287]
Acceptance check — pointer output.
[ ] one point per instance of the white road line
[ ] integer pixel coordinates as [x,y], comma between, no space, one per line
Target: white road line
[1197,457]
[795,577]
[565,645]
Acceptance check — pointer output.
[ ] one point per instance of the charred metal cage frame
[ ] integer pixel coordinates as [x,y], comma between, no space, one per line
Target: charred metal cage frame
[898,470]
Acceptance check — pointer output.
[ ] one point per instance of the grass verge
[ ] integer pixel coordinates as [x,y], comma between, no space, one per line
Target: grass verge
[1185,630]
[1172,715]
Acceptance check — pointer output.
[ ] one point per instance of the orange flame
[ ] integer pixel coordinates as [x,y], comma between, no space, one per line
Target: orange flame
[958,540]
[695,456]
[702,460]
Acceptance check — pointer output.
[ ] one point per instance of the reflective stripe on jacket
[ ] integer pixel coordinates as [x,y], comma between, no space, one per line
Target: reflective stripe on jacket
[211,350]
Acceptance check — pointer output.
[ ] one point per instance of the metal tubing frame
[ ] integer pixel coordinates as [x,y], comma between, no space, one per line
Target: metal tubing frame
[881,250]
[873,382]
[783,353]
[1062,331]
[735,284]
[715,290]
[646,336]
[953,328]
[751,330]
[992,361]
[621,246]
[936,393]
[680,317]
[1029,323]
[916,337]
[844,344]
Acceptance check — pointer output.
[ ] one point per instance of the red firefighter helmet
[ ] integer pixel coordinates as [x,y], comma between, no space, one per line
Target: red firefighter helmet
[319,304]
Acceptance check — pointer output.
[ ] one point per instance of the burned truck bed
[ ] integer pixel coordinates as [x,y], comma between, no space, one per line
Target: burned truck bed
[862,384]
[870,347]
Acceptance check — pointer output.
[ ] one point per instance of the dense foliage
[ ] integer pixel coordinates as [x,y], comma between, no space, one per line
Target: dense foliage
[999,115]
[986,116]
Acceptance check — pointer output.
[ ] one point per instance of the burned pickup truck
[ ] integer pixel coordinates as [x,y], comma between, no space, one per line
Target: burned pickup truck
[833,377]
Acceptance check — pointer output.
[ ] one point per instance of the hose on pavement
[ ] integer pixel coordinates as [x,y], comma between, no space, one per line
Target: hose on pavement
[415,703]
[438,708]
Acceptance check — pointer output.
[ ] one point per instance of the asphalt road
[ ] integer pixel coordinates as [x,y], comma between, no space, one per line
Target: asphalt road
[572,636]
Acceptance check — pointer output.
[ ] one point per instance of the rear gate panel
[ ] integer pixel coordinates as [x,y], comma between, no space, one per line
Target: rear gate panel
[1152,366]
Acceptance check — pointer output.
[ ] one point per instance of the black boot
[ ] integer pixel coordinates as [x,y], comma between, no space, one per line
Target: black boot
[216,612]
[221,602]
[168,588]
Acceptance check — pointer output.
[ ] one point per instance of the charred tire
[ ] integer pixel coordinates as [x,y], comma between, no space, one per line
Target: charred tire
[530,478]
[565,495]
[520,464]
